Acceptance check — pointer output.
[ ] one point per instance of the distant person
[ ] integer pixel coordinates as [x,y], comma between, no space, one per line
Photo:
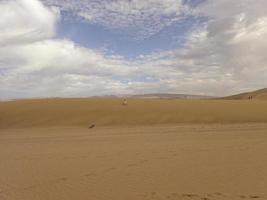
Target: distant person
[125,102]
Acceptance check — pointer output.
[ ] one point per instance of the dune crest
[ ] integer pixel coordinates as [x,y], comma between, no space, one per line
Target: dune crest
[258,95]
[111,112]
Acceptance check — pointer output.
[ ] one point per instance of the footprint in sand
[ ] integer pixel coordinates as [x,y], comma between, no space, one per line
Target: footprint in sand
[205,198]
[255,197]
[174,194]
[151,195]
[63,179]
[213,196]
[189,195]
[218,194]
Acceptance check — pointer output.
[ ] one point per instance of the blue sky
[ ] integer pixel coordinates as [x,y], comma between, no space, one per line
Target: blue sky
[122,42]
[126,42]
[80,48]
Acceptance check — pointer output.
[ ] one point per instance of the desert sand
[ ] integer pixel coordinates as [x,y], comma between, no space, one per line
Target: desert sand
[150,149]
[110,112]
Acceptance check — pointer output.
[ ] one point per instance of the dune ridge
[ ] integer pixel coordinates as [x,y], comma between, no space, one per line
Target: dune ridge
[258,94]
[110,112]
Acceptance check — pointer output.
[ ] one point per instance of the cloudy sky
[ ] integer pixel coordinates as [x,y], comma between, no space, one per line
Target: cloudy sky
[79,48]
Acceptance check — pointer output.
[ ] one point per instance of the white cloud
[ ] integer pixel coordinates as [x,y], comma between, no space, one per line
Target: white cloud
[236,40]
[60,68]
[26,21]
[143,18]
[226,54]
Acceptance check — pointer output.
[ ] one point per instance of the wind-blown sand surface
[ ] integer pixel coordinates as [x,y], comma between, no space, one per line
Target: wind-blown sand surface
[47,151]
[110,112]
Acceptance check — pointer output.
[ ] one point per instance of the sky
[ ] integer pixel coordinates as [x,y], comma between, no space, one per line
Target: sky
[81,48]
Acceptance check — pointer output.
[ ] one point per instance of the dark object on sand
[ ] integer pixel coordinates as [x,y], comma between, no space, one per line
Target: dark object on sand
[125,102]
[92,126]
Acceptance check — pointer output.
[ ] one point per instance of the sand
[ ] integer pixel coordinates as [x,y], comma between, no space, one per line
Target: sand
[110,112]
[190,162]
[149,150]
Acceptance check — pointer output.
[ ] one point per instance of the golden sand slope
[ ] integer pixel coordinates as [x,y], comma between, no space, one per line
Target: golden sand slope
[83,112]
[210,162]
[47,151]
[259,95]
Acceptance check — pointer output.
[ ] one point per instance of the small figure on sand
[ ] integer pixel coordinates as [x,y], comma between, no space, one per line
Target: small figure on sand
[124,103]
[92,126]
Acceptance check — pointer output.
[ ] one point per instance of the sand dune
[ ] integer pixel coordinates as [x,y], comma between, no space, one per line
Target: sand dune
[258,95]
[110,112]
[148,150]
